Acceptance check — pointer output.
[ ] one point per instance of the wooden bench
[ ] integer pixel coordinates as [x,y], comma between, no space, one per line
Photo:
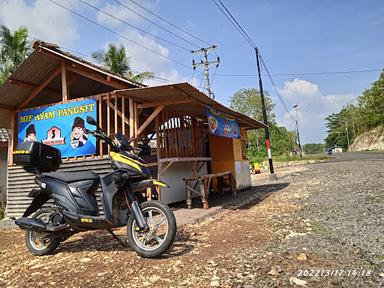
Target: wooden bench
[204,182]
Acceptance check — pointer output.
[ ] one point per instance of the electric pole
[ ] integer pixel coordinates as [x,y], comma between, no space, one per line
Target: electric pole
[205,63]
[346,129]
[297,131]
[272,175]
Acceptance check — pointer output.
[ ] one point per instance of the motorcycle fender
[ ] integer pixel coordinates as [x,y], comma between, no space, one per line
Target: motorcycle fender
[40,197]
[160,183]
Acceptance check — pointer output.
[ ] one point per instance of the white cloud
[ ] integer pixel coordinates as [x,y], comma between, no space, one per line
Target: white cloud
[313,107]
[124,13]
[43,19]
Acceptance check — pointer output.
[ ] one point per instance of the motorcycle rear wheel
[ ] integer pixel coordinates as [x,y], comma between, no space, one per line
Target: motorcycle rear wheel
[39,243]
[161,230]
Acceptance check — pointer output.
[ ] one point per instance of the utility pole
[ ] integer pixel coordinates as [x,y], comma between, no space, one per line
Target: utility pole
[297,131]
[346,129]
[205,63]
[272,175]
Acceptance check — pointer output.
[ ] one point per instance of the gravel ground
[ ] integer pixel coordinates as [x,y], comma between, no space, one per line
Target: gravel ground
[319,225]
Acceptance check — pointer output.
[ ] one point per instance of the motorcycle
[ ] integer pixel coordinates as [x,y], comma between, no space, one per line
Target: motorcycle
[151,225]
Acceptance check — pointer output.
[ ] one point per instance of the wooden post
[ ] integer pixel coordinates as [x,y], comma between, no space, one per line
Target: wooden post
[135,123]
[12,140]
[123,115]
[131,118]
[157,127]
[116,130]
[64,87]
[108,119]
[100,99]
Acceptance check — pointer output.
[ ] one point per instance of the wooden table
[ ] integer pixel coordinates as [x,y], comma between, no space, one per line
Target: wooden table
[204,183]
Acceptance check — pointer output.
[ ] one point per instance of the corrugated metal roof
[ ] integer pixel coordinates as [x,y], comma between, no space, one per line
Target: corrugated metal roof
[186,91]
[44,60]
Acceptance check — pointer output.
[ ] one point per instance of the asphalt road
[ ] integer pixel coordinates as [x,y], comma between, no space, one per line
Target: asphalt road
[349,156]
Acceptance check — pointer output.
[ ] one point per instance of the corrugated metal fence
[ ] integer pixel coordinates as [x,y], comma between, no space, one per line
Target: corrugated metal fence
[20,183]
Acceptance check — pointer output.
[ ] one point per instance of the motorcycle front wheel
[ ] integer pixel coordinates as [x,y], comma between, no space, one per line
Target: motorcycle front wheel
[160,234]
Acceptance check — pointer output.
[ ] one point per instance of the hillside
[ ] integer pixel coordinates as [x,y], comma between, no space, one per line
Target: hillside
[371,140]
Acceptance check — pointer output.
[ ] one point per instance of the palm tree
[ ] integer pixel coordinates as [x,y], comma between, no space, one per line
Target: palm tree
[14,49]
[116,60]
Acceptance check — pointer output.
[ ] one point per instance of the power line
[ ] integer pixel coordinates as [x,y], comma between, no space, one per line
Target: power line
[135,27]
[33,38]
[305,73]
[154,23]
[276,89]
[234,22]
[120,35]
[169,23]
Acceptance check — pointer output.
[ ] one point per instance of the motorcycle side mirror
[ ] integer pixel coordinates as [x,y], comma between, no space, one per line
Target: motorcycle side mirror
[91,121]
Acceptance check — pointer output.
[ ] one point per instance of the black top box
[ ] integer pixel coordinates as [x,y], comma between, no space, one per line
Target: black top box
[36,157]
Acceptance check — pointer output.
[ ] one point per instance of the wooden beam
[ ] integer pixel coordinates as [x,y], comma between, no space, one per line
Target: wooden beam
[64,87]
[22,83]
[96,77]
[164,102]
[7,107]
[40,88]
[150,119]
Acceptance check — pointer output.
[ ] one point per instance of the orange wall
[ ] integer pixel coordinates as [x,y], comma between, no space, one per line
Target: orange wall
[222,153]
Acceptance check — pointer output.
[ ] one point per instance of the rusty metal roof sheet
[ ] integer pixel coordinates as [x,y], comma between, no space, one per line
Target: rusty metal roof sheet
[185,91]
[44,60]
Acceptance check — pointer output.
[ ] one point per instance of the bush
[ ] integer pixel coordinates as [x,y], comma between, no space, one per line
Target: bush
[2,212]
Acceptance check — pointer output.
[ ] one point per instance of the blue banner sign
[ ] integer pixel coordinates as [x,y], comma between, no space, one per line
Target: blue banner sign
[221,125]
[62,126]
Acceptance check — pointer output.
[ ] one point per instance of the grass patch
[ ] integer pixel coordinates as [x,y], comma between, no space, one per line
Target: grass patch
[320,229]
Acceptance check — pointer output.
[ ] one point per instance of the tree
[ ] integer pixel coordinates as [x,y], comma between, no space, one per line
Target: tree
[116,60]
[248,102]
[14,49]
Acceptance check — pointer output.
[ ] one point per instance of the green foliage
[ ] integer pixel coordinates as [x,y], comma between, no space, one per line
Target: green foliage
[355,120]
[248,102]
[2,212]
[116,60]
[14,49]
[313,148]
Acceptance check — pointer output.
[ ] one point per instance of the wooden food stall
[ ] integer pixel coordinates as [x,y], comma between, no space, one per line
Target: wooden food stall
[53,91]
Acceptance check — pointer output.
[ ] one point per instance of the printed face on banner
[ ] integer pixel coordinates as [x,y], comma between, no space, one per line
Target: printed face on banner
[62,126]
[221,125]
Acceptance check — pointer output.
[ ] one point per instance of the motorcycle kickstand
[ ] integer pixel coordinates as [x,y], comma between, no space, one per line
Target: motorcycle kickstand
[117,238]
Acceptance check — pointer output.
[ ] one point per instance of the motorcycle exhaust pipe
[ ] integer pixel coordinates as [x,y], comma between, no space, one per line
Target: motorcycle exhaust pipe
[31,224]
[138,215]
[37,225]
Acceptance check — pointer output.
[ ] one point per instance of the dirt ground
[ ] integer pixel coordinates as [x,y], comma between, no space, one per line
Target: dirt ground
[319,225]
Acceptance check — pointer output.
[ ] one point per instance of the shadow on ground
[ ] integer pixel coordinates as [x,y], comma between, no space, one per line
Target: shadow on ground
[102,241]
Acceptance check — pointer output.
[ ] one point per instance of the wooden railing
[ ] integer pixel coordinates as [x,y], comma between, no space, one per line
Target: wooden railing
[181,136]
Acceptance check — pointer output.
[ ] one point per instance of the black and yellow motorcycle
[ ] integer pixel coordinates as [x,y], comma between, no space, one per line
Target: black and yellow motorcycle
[151,225]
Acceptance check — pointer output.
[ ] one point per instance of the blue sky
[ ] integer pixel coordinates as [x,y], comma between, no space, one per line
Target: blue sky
[296,36]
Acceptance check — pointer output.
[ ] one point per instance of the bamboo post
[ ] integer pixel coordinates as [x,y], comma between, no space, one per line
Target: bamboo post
[135,123]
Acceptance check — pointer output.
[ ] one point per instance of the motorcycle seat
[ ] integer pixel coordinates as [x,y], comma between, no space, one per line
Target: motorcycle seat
[70,177]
